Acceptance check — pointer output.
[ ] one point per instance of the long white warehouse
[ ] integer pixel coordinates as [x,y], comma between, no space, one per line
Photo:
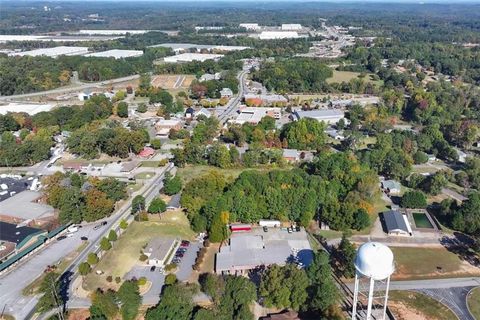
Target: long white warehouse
[116,53]
[267,35]
[189,57]
[53,52]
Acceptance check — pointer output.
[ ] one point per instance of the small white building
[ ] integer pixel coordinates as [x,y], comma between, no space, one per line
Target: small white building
[189,57]
[250,26]
[269,35]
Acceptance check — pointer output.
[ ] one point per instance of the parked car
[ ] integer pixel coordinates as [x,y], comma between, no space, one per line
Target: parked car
[152,268]
[61,238]
[179,254]
[265,229]
[73,228]
[83,238]
[182,249]
[185,243]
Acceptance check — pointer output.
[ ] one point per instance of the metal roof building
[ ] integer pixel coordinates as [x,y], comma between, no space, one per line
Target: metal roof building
[53,52]
[117,54]
[397,223]
[189,57]
[329,116]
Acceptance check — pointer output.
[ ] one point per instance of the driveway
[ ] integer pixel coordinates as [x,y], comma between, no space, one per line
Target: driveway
[185,268]
[156,277]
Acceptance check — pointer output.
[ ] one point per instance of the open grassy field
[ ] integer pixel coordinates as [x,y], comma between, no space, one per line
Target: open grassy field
[420,263]
[126,250]
[145,175]
[409,305]
[173,81]
[346,76]
[474,302]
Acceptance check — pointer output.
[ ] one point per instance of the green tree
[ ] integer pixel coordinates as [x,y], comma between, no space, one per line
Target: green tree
[239,294]
[84,268]
[305,134]
[346,256]
[213,285]
[112,236]
[157,206]
[176,303]
[123,224]
[130,300]
[414,200]
[138,204]
[323,293]
[171,185]
[105,245]
[92,258]
[361,219]
[104,305]
[420,157]
[50,293]
[156,144]
[114,189]
[122,109]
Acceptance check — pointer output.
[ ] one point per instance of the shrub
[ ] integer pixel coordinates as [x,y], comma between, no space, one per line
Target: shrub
[105,245]
[109,278]
[143,257]
[92,258]
[118,279]
[170,279]
[123,224]
[170,267]
[157,206]
[156,144]
[142,108]
[361,219]
[84,268]
[112,236]
[142,281]
[420,157]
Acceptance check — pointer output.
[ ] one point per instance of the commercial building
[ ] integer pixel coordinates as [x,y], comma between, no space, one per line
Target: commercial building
[116,53]
[53,52]
[269,35]
[329,116]
[163,127]
[291,27]
[397,223]
[25,206]
[178,48]
[30,108]
[250,26]
[252,249]
[253,115]
[265,99]
[111,32]
[189,57]
[14,238]
[160,250]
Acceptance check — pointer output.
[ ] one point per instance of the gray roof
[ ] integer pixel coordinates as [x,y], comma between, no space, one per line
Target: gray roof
[23,206]
[324,113]
[291,153]
[394,221]
[158,248]
[391,184]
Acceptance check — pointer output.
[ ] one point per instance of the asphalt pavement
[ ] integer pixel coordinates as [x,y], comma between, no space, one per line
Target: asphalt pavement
[454,298]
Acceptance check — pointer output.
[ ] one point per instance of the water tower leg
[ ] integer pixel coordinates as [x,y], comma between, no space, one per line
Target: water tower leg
[370,299]
[386,299]
[355,298]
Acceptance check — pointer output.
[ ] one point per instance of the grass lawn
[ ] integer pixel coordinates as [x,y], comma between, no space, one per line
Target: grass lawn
[62,264]
[145,175]
[414,305]
[126,250]
[421,263]
[190,172]
[330,234]
[150,164]
[346,76]
[474,302]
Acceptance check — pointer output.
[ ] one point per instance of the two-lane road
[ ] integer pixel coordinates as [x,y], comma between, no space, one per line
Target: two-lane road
[233,104]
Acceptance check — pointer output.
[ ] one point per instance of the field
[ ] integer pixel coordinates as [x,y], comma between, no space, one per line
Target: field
[346,76]
[409,305]
[126,250]
[474,302]
[420,263]
[172,81]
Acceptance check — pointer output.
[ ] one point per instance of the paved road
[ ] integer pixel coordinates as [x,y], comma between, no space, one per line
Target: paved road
[431,284]
[12,283]
[71,88]
[187,262]
[233,104]
[454,298]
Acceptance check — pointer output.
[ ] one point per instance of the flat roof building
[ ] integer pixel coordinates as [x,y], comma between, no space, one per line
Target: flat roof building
[250,26]
[397,223]
[185,47]
[111,32]
[189,57]
[269,35]
[160,250]
[14,238]
[328,116]
[53,52]
[116,53]
[24,206]
[255,114]
[291,26]
[249,250]
[30,108]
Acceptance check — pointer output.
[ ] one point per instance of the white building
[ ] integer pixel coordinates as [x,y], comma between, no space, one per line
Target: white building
[116,53]
[105,32]
[53,52]
[255,114]
[269,35]
[160,250]
[226,93]
[189,57]
[328,116]
[291,27]
[30,108]
[250,26]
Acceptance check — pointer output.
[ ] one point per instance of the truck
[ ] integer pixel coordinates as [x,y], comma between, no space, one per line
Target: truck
[270,223]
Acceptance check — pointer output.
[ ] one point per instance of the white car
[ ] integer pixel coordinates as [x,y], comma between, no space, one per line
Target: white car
[72,229]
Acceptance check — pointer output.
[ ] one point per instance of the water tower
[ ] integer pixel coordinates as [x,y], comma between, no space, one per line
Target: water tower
[374,266]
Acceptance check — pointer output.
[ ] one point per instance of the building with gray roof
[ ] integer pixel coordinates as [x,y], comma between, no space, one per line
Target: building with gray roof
[329,116]
[250,250]
[397,223]
[160,250]
[25,206]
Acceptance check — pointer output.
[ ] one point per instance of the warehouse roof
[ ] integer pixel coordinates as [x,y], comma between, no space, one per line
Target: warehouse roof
[23,206]
[395,221]
[53,52]
[116,53]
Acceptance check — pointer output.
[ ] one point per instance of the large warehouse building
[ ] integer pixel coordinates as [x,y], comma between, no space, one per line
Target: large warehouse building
[53,52]
[329,116]
[116,53]
[189,57]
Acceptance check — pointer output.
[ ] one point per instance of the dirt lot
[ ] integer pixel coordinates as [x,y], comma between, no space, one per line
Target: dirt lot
[409,305]
[172,81]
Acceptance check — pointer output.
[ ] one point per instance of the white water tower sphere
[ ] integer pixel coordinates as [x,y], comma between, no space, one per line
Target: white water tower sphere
[374,260]
[373,263]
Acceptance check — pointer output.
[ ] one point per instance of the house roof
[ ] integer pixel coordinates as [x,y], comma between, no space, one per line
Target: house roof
[158,248]
[394,221]
[391,184]
[291,153]
[146,152]
[12,233]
